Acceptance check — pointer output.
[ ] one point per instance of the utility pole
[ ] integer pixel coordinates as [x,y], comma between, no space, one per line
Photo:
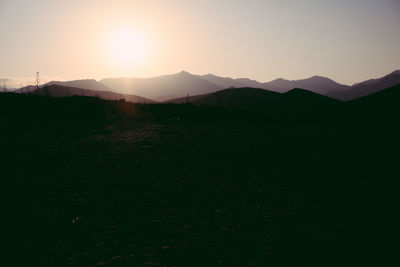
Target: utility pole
[37,78]
[4,85]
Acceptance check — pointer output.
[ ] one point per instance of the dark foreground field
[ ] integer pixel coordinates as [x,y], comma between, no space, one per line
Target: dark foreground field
[86,182]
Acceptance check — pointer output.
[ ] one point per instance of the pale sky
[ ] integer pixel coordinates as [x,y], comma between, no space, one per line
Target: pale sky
[346,40]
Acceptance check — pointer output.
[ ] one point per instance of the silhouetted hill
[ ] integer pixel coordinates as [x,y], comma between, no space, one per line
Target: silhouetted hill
[303,102]
[163,87]
[26,89]
[90,84]
[296,94]
[240,98]
[56,90]
[367,87]
[253,98]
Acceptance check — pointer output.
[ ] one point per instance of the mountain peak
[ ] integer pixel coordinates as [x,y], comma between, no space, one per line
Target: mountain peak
[184,72]
[322,78]
[279,80]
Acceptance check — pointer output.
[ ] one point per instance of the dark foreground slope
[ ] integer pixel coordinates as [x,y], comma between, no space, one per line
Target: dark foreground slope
[88,182]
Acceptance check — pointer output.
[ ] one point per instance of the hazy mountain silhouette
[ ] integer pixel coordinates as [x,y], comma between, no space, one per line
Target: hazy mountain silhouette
[10,84]
[226,82]
[317,84]
[55,90]
[175,86]
[367,87]
[163,87]
[279,85]
[89,84]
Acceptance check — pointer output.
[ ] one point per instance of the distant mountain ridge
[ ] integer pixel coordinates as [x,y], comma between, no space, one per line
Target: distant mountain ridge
[317,84]
[227,82]
[367,87]
[179,86]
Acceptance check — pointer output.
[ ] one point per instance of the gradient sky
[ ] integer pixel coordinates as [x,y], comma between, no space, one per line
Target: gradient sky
[346,40]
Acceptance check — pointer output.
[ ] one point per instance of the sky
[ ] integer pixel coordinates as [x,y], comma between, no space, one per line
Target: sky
[346,40]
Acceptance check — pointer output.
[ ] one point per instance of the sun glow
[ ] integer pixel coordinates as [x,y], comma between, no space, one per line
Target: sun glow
[127,48]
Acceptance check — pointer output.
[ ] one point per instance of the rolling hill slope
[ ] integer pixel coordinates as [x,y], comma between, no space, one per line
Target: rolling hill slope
[56,90]
[90,84]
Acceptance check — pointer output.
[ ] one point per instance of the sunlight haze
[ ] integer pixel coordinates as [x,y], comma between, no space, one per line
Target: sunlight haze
[346,40]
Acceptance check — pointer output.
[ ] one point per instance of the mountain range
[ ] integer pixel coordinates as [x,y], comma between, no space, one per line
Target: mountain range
[164,87]
[367,87]
[179,85]
[183,86]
